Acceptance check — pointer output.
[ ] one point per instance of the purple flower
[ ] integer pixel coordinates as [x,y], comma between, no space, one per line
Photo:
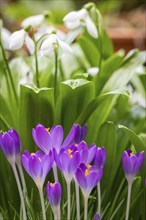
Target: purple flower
[54,193]
[11,145]
[47,139]
[100,157]
[37,165]
[68,162]
[97,216]
[80,133]
[132,164]
[88,177]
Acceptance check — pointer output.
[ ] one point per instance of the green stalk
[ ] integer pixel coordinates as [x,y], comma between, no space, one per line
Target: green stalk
[56,71]
[42,202]
[9,72]
[36,60]
[20,191]
[128,201]
[99,198]
[77,199]
[85,207]
[68,200]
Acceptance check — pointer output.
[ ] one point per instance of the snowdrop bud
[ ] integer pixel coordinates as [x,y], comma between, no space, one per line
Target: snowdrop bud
[5,35]
[16,40]
[33,20]
[70,17]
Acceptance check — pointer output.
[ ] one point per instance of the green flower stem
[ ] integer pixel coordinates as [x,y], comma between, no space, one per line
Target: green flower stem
[22,180]
[56,71]
[55,172]
[99,197]
[36,66]
[128,201]
[77,200]
[42,202]
[20,191]
[9,72]
[56,212]
[68,200]
[85,207]
[36,60]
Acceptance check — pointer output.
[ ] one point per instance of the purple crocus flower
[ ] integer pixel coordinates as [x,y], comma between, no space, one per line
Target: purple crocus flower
[68,162]
[132,164]
[100,157]
[88,177]
[47,139]
[80,133]
[54,193]
[97,216]
[11,145]
[37,165]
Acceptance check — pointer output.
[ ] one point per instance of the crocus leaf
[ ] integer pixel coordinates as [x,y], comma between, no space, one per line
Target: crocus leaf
[36,106]
[136,141]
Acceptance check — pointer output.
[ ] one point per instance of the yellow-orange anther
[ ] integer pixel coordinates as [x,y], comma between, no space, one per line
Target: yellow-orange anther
[32,154]
[132,153]
[39,159]
[76,145]
[48,130]
[87,170]
[52,184]
[70,153]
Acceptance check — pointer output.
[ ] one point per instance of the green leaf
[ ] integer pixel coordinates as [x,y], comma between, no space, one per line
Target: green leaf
[75,95]
[135,140]
[36,106]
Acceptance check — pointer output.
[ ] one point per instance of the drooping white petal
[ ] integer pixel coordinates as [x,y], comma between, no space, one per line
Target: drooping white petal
[16,40]
[91,27]
[82,14]
[33,20]
[30,44]
[64,46]
[5,35]
[47,47]
[73,25]
[93,71]
[71,16]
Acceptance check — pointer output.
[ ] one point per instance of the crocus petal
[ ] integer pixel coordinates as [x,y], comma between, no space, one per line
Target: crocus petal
[91,154]
[140,161]
[126,163]
[93,178]
[81,179]
[16,40]
[35,168]
[25,163]
[69,137]
[43,138]
[30,44]
[64,46]
[75,162]
[8,146]
[54,193]
[57,137]
[65,162]
[91,27]
[33,20]
[16,139]
[47,162]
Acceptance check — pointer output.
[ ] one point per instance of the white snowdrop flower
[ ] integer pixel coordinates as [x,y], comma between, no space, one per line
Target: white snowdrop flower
[34,21]
[5,35]
[80,18]
[93,71]
[19,38]
[48,45]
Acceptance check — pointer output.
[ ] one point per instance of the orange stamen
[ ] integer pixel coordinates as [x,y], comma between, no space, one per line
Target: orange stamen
[87,170]
[70,153]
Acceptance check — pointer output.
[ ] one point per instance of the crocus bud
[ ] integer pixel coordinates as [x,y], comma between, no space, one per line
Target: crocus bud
[132,164]
[11,145]
[100,157]
[97,216]
[54,193]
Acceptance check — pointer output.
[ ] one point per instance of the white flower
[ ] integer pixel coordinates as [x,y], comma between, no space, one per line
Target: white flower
[48,46]
[5,35]
[33,20]
[93,71]
[80,18]
[19,38]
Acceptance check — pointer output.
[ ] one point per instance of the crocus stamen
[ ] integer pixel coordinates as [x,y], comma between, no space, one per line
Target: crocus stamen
[39,159]
[32,154]
[87,170]
[76,145]
[70,153]
[48,130]
[132,153]
[52,184]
